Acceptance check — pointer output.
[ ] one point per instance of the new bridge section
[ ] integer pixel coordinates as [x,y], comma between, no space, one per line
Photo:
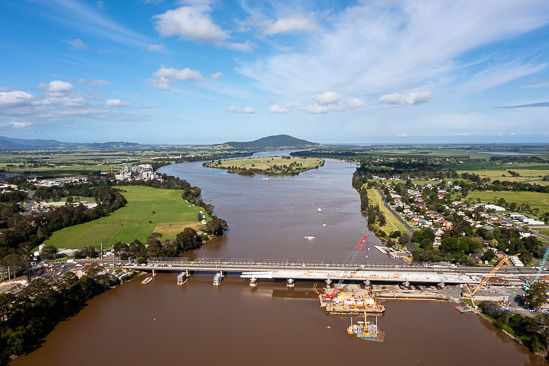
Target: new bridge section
[330,271]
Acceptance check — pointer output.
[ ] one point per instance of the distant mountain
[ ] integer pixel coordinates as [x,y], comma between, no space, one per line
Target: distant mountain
[7,143]
[274,142]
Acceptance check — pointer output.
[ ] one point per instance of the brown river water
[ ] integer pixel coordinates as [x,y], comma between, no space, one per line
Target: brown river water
[164,324]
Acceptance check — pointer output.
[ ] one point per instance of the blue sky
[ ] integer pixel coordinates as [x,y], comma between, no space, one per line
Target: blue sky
[195,72]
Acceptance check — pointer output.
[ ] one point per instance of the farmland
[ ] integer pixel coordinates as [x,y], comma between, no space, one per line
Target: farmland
[148,210]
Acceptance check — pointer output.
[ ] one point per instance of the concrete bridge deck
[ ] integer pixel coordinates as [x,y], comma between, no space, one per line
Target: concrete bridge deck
[331,271]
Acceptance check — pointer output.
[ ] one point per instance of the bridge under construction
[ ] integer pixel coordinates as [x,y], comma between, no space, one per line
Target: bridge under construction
[333,271]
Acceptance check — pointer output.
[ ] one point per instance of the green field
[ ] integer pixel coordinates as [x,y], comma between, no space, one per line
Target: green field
[392,222]
[148,210]
[268,162]
[534,199]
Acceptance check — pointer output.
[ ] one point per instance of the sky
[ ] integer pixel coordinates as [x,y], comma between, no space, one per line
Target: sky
[206,72]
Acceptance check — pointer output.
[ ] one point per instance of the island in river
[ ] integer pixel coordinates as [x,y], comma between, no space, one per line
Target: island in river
[271,166]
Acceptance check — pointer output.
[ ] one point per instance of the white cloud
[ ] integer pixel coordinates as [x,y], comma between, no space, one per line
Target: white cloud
[14,125]
[325,102]
[290,23]
[375,48]
[155,47]
[166,76]
[277,109]
[93,82]
[328,97]
[193,23]
[14,97]
[76,44]
[246,110]
[243,47]
[411,99]
[115,103]
[56,86]
[215,76]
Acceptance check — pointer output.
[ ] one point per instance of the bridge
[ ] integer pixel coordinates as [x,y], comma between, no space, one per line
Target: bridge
[328,272]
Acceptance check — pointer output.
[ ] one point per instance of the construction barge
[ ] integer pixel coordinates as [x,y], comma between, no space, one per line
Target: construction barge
[350,300]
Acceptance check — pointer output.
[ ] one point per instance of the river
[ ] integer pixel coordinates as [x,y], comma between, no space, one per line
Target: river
[165,324]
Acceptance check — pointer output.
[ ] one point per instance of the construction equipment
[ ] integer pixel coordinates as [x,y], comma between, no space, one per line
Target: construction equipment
[528,284]
[348,263]
[483,282]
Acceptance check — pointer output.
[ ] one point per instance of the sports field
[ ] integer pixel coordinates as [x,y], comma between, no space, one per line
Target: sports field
[148,210]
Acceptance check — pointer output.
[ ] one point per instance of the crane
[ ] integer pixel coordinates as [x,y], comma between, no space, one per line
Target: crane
[483,282]
[527,286]
[349,261]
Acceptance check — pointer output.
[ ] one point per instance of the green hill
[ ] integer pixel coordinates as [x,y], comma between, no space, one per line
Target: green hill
[274,142]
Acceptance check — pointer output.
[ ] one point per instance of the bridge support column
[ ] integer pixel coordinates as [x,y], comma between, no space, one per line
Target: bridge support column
[328,282]
[441,285]
[290,282]
[406,284]
[154,272]
[367,283]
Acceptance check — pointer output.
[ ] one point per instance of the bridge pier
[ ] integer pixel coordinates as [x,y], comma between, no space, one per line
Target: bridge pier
[253,282]
[328,282]
[441,285]
[290,282]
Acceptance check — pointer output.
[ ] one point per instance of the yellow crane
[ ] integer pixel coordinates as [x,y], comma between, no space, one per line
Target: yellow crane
[483,282]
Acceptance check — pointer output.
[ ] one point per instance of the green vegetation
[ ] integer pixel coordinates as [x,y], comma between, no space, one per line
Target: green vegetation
[148,210]
[534,200]
[532,331]
[392,224]
[28,317]
[272,166]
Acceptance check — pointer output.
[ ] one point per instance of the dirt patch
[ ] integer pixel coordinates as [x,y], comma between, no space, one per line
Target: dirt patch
[169,231]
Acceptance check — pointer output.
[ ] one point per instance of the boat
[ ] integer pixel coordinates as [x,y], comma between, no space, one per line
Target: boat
[319,209]
[309,237]
[183,277]
[366,331]
[217,279]
[265,178]
[147,280]
[350,303]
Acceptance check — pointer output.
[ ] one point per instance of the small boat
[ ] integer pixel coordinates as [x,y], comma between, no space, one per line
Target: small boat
[319,209]
[147,280]
[217,279]
[183,277]
[309,237]
[265,178]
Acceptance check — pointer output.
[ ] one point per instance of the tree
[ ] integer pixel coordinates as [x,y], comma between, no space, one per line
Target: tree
[187,239]
[536,295]
[488,255]
[48,252]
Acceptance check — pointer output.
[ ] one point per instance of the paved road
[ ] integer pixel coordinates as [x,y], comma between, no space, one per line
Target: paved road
[28,207]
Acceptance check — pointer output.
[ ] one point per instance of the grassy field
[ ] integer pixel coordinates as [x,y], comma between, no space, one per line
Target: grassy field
[148,210]
[392,222]
[534,199]
[269,162]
